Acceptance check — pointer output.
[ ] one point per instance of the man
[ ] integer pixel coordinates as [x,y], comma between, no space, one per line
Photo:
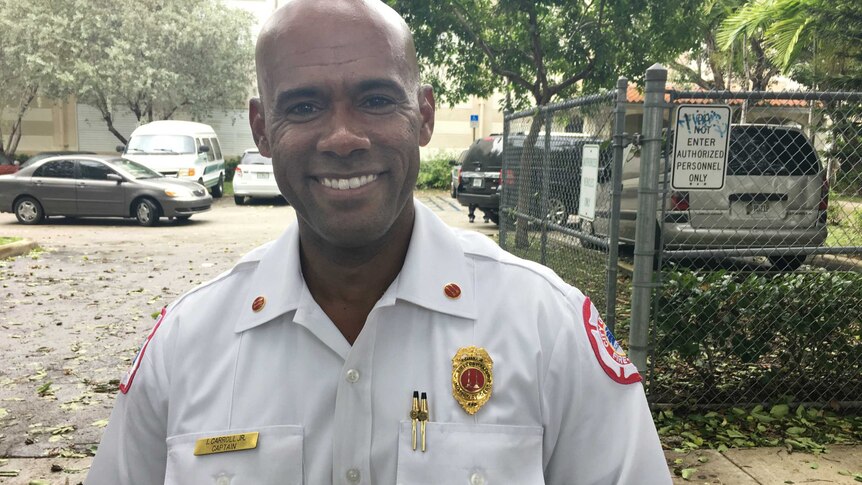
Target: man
[371,344]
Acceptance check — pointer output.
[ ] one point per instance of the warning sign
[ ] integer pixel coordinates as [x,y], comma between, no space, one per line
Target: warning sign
[701,141]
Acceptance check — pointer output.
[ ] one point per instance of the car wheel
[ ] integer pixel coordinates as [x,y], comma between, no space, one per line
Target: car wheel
[29,211]
[557,212]
[239,199]
[218,189]
[146,212]
[787,263]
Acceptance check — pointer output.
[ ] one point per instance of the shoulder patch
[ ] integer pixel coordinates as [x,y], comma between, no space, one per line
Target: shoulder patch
[608,351]
[126,383]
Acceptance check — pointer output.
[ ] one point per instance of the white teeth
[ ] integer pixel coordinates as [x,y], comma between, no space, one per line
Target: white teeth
[346,184]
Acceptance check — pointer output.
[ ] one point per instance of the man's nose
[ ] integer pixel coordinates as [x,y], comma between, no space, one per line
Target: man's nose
[345,134]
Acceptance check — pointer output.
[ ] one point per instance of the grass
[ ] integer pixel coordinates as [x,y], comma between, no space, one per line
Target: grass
[7,240]
[228,189]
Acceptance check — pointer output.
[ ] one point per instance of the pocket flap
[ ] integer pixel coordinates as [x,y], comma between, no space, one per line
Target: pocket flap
[275,458]
[475,454]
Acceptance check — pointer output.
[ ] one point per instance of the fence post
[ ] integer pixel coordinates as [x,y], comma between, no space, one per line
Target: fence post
[616,191]
[504,196]
[546,169]
[642,279]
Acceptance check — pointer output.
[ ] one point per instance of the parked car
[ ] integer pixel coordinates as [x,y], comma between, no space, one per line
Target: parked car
[42,155]
[455,174]
[253,177]
[95,185]
[180,149]
[7,165]
[775,195]
[479,177]
[482,179]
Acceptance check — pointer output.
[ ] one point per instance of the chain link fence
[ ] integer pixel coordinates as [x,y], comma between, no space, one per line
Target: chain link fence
[744,291]
[553,161]
[761,293]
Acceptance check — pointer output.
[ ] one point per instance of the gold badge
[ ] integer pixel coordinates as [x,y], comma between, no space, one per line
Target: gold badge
[222,444]
[472,379]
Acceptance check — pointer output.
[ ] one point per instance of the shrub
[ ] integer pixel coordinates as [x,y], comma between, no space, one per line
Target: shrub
[435,173]
[230,164]
[725,337]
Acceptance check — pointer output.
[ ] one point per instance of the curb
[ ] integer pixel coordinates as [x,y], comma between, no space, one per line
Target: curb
[17,248]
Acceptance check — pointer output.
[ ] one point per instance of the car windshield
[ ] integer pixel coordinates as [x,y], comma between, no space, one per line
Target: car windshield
[255,159]
[161,144]
[135,169]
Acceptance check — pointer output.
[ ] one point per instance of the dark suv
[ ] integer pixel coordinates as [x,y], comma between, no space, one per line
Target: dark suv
[480,177]
[482,172]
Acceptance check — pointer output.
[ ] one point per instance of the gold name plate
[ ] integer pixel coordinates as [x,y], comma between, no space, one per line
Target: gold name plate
[223,444]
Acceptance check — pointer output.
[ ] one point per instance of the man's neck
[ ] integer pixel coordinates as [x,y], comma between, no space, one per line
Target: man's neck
[348,282]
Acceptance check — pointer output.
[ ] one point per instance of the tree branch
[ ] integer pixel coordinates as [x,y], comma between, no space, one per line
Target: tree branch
[514,77]
[538,57]
[554,90]
[692,75]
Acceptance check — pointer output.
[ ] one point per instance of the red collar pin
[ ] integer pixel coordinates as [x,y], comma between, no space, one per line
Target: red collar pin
[258,304]
[452,291]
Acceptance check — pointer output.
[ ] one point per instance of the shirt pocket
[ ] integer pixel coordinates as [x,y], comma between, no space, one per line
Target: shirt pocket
[470,454]
[277,458]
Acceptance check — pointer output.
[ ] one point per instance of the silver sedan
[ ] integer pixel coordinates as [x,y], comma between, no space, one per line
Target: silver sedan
[95,185]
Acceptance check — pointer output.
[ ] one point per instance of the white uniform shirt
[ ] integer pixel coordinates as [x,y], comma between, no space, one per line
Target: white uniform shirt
[327,412]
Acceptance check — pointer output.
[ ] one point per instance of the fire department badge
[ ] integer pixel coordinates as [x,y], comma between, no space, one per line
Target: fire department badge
[472,378]
[608,351]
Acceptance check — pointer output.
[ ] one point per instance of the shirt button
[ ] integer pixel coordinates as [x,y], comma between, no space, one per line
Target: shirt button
[352,376]
[223,480]
[477,479]
[353,475]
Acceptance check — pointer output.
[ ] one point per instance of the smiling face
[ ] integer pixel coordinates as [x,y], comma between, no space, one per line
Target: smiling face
[342,116]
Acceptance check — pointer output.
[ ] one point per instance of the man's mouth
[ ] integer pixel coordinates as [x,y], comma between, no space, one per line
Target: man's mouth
[347,184]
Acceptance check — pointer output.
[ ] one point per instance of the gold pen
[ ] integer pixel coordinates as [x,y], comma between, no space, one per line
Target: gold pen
[423,417]
[414,415]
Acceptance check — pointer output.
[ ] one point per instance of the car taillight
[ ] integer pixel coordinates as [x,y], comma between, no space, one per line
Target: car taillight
[679,201]
[459,175]
[824,195]
[508,177]
[237,172]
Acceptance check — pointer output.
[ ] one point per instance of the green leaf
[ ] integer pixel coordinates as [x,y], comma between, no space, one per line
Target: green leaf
[686,473]
[779,410]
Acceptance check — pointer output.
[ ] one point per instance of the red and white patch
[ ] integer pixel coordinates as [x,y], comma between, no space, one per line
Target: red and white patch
[608,352]
[126,383]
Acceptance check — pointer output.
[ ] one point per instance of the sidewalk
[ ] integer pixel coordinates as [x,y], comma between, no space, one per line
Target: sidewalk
[770,466]
[754,466]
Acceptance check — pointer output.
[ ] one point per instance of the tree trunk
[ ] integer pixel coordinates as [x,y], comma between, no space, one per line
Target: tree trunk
[23,106]
[525,181]
[102,104]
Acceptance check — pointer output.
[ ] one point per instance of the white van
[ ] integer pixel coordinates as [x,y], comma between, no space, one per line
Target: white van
[181,149]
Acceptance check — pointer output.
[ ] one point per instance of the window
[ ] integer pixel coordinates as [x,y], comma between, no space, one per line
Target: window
[210,154]
[765,150]
[217,148]
[91,170]
[61,169]
[161,144]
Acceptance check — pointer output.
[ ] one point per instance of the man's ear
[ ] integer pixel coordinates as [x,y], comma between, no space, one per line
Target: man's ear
[258,126]
[427,108]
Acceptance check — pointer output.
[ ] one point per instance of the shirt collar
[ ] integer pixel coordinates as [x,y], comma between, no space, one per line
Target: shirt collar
[434,260]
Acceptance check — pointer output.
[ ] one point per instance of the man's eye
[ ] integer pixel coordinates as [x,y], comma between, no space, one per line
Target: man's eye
[378,103]
[303,109]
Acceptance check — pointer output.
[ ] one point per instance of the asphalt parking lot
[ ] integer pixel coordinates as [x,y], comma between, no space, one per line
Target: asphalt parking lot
[74,315]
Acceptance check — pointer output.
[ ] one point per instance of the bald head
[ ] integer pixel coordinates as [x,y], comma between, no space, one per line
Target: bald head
[309,26]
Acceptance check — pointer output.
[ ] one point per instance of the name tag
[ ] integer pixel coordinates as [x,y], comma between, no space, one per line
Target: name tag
[222,444]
